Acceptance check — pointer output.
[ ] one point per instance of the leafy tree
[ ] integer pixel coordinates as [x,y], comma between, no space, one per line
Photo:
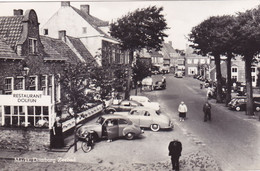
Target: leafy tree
[247,42]
[141,70]
[211,37]
[143,28]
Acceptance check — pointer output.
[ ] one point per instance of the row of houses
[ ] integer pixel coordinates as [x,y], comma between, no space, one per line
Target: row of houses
[32,59]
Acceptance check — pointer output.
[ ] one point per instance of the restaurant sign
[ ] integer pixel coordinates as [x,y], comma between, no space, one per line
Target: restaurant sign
[25,98]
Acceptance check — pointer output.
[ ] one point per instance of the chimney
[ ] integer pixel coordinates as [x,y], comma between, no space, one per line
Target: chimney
[18,12]
[62,35]
[85,9]
[65,3]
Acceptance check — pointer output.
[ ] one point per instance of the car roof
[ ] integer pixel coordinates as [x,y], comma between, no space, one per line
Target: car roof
[143,108]
[131,101]
[113,116]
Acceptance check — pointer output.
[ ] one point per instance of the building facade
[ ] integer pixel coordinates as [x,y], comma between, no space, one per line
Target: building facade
[91,31]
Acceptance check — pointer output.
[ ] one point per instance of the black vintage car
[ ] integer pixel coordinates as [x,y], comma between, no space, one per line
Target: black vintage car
[239,103]
[123,106]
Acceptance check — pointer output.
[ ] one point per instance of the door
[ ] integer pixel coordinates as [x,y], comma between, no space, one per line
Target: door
[112,128]
[145,118]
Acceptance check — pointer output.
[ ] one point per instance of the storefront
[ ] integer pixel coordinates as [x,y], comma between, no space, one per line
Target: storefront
[26,109]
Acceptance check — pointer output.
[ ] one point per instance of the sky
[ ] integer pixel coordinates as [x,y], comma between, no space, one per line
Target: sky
[181,16]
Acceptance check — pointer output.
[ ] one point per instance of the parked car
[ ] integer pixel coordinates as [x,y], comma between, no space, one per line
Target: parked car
[113,125]
[161,85]
[179,74]
[146,102]
[125,105]
[148,118]
[239,103]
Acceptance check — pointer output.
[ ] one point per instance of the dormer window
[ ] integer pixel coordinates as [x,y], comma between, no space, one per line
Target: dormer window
[33,46]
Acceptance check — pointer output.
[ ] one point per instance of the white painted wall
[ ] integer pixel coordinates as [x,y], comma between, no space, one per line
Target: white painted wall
[68,19]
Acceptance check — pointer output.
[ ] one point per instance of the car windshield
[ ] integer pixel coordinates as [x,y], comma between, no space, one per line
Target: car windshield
[157,112]
[100,120]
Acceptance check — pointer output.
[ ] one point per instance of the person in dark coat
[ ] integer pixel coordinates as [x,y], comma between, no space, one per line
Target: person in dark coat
[57,136]
[207,111]
[175,148]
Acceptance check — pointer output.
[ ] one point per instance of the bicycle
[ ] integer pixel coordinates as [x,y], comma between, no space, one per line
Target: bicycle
[87,139]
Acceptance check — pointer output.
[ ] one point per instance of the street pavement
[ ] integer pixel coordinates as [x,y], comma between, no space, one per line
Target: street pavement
[195,155]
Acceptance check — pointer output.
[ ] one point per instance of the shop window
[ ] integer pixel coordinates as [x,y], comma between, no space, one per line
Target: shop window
[33,46]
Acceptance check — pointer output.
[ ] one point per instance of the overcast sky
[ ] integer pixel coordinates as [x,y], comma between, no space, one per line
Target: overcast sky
[181,16]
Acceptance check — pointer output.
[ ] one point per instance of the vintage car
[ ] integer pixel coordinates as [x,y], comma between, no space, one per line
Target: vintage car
[125,105]
[239,103]
[113,125]
[159,85]
[148,118]
[146,102]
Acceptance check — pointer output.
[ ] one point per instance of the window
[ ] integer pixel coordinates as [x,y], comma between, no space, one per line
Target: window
[252,69]
[45,32]
[234,77]
[253,79]
[8,85]
[202,61]
[84,29]
[196,61]
[189,61]
[33,83]
[122,122]
[44,84]
[20,83]
[33,46]
[234,69]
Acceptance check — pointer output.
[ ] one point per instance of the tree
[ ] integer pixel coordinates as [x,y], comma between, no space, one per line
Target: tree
[247,42]
[209,38]
[140,70]
[143,28]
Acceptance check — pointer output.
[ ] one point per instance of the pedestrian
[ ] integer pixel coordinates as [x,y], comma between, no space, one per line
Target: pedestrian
[209,93]
[175,148]
[207,111]
[182,111]
[57,136]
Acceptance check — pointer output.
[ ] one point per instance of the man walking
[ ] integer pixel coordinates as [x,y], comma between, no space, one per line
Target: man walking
[207,111]
[175,148]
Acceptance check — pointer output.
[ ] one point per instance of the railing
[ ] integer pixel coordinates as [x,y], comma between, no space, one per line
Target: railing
[81,116]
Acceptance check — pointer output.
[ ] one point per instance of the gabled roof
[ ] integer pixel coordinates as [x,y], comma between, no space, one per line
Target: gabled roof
[82,50]
[57,49]
[6,51]
[11,29]
[155,53]
[93,21]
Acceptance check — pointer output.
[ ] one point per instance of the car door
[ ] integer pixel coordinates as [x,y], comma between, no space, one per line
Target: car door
[134,116]
[145,118]
[122,123]
[112,128]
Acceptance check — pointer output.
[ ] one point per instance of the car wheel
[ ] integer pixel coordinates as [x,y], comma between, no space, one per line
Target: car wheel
[257,109]
[238,108]
[129,136]
[155,127]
